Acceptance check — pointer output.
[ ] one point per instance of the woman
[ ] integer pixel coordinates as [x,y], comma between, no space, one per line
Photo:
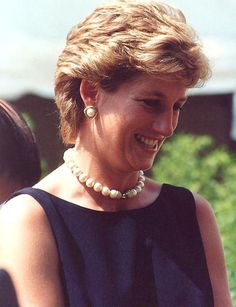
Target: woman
[95,231]
[19,156]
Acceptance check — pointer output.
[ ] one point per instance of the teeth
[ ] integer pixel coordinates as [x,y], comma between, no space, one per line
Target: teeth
[146,141]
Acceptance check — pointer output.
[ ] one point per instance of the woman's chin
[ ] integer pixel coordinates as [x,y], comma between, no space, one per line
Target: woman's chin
[144,165]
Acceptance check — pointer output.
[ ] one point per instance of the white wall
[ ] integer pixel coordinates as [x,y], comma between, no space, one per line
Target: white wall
[33,34]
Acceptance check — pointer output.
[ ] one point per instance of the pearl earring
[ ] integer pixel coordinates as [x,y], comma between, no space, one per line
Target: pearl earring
[90,112]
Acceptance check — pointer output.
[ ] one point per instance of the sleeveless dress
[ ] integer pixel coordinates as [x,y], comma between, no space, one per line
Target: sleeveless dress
[146,257]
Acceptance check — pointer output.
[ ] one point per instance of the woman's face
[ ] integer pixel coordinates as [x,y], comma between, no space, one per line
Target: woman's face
[134,121]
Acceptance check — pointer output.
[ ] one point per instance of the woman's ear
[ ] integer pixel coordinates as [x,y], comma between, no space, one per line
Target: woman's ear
[88,93]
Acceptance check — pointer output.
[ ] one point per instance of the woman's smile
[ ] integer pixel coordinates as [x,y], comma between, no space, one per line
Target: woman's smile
[147,143]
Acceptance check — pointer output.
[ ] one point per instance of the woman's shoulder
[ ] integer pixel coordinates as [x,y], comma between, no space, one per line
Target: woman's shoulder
[204,210]
[206,220]
[28,249]
[20,217]
[213,250]
[22,208]
[22,222]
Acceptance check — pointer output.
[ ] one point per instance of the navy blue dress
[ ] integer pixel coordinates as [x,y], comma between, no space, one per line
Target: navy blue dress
[145,257]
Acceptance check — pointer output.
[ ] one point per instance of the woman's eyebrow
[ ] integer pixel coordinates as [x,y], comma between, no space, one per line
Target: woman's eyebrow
[159,94]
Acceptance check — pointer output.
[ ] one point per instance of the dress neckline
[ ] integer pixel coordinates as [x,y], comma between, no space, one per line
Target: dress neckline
[107,212]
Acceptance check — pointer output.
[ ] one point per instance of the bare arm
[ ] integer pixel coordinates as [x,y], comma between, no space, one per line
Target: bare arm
[214,253]
[28,253]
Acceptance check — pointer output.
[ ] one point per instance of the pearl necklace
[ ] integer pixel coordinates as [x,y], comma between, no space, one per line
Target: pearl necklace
[97,186]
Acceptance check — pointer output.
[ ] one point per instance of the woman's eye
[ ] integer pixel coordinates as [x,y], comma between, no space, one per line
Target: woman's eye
[155,104]
[158,105]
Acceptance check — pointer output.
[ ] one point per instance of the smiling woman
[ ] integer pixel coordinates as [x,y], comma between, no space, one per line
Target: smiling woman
[96,231]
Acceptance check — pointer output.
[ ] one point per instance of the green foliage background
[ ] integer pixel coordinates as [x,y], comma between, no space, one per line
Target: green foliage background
[196,163]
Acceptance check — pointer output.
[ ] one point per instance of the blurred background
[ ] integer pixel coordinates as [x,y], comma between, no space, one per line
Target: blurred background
[33,34]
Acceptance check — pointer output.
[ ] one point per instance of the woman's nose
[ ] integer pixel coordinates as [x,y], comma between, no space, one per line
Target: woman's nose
[165,124]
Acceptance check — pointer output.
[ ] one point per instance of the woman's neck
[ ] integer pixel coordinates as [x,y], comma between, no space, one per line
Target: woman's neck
[110,176]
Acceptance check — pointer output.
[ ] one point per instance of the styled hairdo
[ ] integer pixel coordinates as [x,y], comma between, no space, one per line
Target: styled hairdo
[119,40]
[19,156]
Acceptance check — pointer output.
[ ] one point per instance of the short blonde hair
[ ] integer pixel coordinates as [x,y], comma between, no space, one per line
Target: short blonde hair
[119,40]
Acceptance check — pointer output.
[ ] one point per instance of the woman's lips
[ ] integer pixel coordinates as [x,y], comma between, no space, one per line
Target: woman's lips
[147,141]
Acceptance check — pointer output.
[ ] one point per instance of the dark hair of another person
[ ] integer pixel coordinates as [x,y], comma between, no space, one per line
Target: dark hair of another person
[19,155]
